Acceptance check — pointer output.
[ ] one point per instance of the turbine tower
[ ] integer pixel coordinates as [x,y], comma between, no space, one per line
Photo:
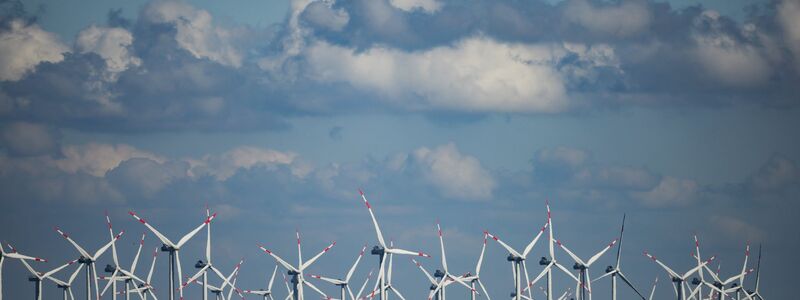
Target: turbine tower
[297,272]
[174,251]
[381,250]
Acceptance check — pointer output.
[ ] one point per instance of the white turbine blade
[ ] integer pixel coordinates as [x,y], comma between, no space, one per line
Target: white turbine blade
[113,245]
[507,247]
[527,278]
[158,234]
[74,244]
[94,278]
[405,252]
[599,254]
[550,234]
[458,280]
[604,275]
[111,280]
[353,268]
[104,248]
[737,277]
[30,269]
[533,242]
[191,234]
[483,288]
[326,279]
[53,271]
[75,274]
[194,277]
[687,274]
[23,257]
[138,252]
[374,221]
[180,272]
[619,247]
[313,259]
[653,291]
[670,271]
[56,281]
[349,292]
[566,271]
[272,279]
[441,244]
[396,292]
[480,258]
[744,265]
[419,265]
[313,287]
[131,275]
[541,274]
[225,281]
[152,266]
[389,270]
[361,290]
[435,290]
[574,257]
[299,258]
[278,259]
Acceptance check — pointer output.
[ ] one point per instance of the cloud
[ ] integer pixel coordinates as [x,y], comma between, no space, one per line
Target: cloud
[427,6]
[196,32]
[670,191]
[97,159]
[28,139]
[142,178]
[475,75]
[624,19]
[23,46]
[455,174]
[225,165]
[112,44]
[777,173]
[323,15]
[789,20]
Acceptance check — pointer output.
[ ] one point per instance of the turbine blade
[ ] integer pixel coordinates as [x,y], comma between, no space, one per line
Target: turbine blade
[272,279]
[628,282]
[353,268]
[74,244]
[405,252]
[191,234]
[599,254]
[506,246]
[533,242]
[158,234]
[441,244]
[480,258]
[278,259]
[326,279]
[574,257]
[428,275]
[374,221]
[104,248]
[670,271]
[313,259]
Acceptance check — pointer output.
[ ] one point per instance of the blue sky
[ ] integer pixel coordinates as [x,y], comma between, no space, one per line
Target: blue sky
[682,114]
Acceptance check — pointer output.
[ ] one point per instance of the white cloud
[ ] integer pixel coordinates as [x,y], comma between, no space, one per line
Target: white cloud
[789,19]
[457,175]
[477,74]
[23,46]
[196,32]
[112,44]
[225,165]
[736,229]
[324,15]
[628,18]
[97,159]
[777,173]
[427,6]
[670,191]
[730,61]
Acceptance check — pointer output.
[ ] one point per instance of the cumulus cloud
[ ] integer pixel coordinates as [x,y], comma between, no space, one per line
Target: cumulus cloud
[323,14]
[225,165]
[623,19]
[670,191]
[474,75]
[427,6]
[196,31]
[97,159]
[112,44]
[455,174]
[23,46]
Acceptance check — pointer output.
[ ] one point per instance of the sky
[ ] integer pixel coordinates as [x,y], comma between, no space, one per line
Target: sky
[681,115]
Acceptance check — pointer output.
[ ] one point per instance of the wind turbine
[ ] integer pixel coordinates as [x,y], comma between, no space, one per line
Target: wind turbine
[615,271]
[267,294]
[719,285]
[679,279]
[344,283]
[174,251]
[38,277]
[388,284]
[477,277]
[447,276]
[549,263]
[583,267]
[207,265]
[434,282]
[230,280]
[381,250]
[297,272]
[518,260]
[66,287]
[90,260]
[118,273]
[12,254]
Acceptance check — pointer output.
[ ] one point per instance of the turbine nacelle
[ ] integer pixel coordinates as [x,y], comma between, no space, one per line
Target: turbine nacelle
[378,250]
[110,268]
[514,258]
[696,281]
[609,269]
[84,260]
[199,265]
[438,274]
[33,278]
[579,266]
[544,261]
[167,248]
